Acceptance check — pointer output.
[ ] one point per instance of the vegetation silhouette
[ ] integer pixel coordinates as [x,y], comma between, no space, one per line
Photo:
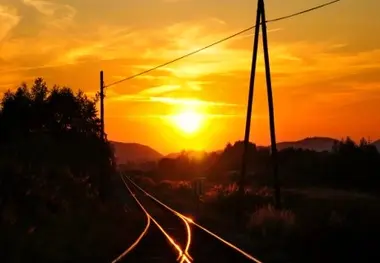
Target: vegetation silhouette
[331,199]
[60,200]
[347,165]
[56,185]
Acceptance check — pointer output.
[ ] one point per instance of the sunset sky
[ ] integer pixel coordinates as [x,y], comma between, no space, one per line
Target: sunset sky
[325,65]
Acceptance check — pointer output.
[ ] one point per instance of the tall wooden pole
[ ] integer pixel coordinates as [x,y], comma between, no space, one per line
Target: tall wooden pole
[250,102]
[102,105]
[276,184]
[248,119]
[261,20]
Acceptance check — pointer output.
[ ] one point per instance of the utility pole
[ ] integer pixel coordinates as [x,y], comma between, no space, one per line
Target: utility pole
[261,20]
[276,183]
[249,109]
[102,105]
[102,181]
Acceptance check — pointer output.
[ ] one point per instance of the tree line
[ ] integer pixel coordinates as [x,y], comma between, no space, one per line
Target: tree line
[53,163]
[348,165]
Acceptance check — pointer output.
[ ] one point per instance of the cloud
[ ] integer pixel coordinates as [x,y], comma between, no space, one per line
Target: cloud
[53,49]
[295,59]
[251,34]
[104,42]
[121,42]
[60,15]
[303,62]
[160,90]
[124,51]
[168,116]
[173,1]
[170,100]
[192,102]
[8,20]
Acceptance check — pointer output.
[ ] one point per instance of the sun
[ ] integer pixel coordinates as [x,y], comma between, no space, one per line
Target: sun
[188,121]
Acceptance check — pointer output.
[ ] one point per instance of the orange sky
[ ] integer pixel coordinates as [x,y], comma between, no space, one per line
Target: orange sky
[325,65]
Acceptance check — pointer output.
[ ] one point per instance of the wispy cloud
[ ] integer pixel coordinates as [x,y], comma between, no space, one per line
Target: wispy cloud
[167,116]
[170,100]
[295,60]
[160,90]
[122,42]
[251,34]
[8,20]
[192,102]
[291,60]
[126,51]
[174,1]
[60,15]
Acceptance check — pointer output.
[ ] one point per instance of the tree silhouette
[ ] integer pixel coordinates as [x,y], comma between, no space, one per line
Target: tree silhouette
[50,146]
[347,166]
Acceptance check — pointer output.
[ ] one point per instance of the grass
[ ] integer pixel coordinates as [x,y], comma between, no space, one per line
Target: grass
[88,232]
[269,222]
[315,225]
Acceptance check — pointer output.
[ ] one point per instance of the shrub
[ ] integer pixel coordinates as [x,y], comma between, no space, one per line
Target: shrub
[269,222]
[147,182]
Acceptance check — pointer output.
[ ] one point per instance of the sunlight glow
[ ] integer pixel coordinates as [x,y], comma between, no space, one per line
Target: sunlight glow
[189,219]
[188,121]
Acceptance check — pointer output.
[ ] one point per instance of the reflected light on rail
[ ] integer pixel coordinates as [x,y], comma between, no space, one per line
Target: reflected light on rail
[189,219]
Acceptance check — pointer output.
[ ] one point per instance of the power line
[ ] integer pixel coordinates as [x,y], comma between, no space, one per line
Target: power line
[222,40]
[302,12]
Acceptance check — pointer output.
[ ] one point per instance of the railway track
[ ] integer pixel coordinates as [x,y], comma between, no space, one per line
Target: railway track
[166,237]
[173,237]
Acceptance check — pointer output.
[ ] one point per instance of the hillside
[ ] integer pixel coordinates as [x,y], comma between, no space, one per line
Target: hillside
[313,143]
[134,152]
[377,144]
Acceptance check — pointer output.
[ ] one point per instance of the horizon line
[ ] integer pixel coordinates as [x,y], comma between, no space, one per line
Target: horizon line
[258,145]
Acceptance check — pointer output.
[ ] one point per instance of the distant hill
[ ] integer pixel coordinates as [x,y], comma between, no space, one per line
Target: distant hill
[134,152]
[377,144]
[138,153]
[313,143]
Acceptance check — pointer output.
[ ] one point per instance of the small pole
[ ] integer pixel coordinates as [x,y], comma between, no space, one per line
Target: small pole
[102,105]
[102,186]
[276,183]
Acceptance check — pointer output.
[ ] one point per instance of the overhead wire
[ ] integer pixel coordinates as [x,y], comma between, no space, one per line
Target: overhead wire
[221,41]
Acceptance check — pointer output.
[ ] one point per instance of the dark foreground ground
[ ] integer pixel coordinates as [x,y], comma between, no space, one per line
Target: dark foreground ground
[90,232]
[316,225]
[154,247]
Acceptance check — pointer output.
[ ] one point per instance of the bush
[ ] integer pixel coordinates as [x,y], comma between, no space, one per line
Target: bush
[269,222]
[146,182]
